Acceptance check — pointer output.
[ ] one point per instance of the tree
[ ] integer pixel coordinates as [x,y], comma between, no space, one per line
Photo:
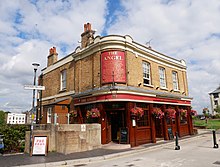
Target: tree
[2,117]
[217,109]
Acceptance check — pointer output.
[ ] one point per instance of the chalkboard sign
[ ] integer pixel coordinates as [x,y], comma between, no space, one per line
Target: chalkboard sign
[123,135]
[170,133]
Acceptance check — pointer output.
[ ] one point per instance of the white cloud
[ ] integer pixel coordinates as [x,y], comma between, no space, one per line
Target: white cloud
[29,30]
[183,29]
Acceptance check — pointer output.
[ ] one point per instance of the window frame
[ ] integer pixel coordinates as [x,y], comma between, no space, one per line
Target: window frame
[63,80]
[146,69]
[175,81]
[162,77]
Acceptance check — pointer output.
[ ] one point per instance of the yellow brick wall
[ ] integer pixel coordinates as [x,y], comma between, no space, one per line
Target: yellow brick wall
[135,74]
[85,74]
[51,80]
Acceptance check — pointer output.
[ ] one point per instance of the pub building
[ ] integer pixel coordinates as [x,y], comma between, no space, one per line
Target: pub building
[137,94]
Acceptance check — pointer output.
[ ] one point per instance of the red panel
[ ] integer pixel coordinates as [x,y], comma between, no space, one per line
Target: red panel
[113,66]
[129,97]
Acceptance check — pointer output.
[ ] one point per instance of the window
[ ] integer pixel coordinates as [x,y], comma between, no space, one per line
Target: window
[216,102]
[63,80]
[215,95]
[144,120]
[162,77]
[49,112]
[175,80]
[146,73]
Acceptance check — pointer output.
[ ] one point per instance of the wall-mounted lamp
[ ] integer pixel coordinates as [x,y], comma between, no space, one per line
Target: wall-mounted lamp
[139,84]
[157,87]
[183,93]
[113,89]
[171,90]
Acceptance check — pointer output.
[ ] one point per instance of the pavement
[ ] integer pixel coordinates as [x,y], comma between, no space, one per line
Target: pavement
[106,152]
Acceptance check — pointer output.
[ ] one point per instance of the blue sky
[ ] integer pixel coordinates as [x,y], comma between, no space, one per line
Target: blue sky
[182,29]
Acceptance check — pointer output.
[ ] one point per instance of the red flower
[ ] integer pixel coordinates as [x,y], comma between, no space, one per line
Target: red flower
[193,112]
[158,113]
[171,113]
[183,112]
[137,111]
[93,113]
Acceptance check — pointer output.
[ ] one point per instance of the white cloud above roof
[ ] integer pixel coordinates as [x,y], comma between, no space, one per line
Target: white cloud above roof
[183,29]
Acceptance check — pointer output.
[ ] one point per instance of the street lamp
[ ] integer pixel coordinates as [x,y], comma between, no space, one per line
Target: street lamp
[36,65]
[113,89]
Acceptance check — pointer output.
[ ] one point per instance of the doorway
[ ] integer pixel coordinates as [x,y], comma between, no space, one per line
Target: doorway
[115,121]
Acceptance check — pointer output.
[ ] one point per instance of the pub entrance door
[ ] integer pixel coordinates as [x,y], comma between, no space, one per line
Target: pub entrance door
[115,121]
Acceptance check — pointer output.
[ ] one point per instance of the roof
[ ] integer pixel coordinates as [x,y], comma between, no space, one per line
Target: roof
[216,91]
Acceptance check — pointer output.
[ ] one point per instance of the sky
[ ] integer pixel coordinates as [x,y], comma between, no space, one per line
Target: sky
[182,29]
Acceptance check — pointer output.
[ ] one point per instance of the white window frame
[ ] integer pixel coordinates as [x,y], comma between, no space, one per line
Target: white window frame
[162,77]
[146,73]
[63,80]
[175,81]
[49,115]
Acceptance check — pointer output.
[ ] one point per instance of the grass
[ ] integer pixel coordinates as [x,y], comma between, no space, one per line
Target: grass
[211,123]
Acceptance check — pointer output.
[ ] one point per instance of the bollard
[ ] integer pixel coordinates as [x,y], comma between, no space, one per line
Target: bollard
[214,139]
[177,147]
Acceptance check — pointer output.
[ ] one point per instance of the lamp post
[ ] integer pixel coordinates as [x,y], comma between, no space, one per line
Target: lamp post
[113,89]
[36,65]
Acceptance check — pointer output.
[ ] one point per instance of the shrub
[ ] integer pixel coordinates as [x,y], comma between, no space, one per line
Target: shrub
[14,137]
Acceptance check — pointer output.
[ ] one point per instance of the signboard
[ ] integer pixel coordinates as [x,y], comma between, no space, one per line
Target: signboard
[113,66]
[170,133]
[123,135]
[34,87]
[40,145]
[83,127]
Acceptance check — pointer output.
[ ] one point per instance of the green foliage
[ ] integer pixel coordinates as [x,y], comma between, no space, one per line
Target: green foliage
[210,124]
[14,137]
[216,116]
[217,109]
[2,117]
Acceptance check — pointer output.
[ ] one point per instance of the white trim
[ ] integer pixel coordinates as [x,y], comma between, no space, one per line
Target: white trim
[184,99]
[61,62]
[119,42]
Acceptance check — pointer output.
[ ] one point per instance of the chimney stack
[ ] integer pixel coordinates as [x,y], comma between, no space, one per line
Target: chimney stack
[53,56]
[87,36]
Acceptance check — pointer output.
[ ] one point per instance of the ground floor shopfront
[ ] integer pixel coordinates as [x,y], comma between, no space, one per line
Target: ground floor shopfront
[160,118]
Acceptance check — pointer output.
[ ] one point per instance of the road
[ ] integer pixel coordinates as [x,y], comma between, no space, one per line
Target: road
[194,152]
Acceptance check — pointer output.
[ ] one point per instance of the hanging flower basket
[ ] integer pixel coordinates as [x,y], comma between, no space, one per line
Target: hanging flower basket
[157,113]
[170,113]
[137,111]
[183,113]
[93,113]
[193,112]
[73,114]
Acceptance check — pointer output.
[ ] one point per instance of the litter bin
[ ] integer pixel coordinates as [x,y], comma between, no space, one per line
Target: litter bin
[1,144]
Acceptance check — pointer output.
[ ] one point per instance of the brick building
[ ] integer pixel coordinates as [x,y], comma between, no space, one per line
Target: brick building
[136,93]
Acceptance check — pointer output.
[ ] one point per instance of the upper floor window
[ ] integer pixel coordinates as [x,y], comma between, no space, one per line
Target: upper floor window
[162,77]
[215,95]
[146,73]
[175,80]
[63,80]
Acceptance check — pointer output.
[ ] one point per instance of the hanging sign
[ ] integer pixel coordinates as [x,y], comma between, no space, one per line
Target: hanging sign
[40,145]
[113,66]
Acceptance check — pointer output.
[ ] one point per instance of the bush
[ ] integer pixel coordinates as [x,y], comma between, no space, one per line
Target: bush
[14,137]
[217,116]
